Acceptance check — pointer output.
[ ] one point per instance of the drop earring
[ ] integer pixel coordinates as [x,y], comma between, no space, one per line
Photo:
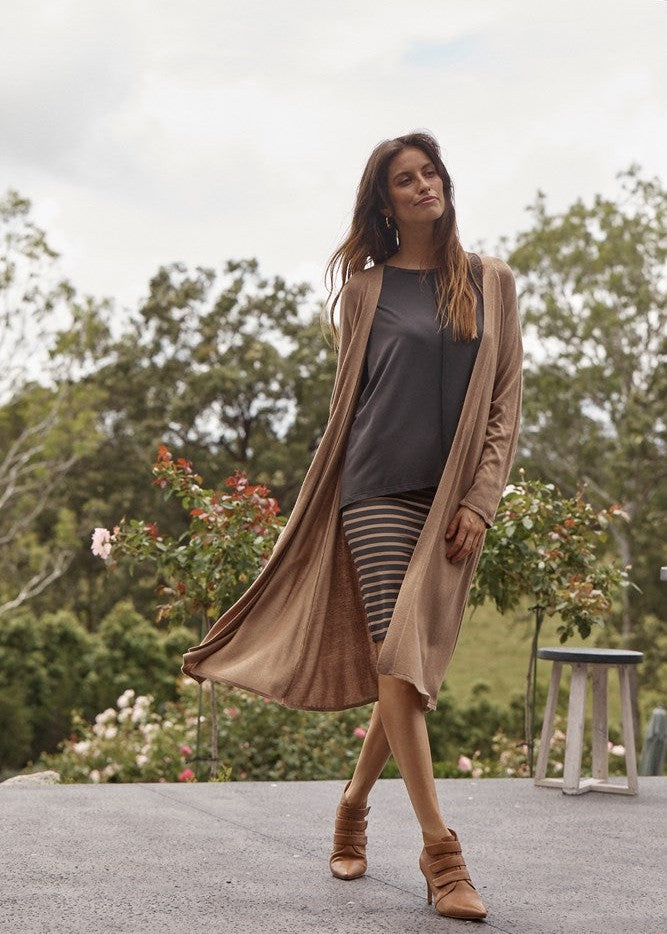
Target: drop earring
[386,222]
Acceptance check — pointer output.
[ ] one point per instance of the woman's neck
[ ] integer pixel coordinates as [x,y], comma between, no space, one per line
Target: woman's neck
[416,250]
[410,261]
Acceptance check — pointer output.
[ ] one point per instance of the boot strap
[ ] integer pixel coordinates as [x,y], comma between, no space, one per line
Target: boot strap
[446,862]
[452,875]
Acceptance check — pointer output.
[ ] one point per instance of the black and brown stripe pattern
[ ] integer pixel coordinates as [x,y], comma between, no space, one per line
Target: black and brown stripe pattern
[382,532]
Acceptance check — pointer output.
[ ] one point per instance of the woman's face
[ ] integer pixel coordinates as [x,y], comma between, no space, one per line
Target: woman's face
[416,191]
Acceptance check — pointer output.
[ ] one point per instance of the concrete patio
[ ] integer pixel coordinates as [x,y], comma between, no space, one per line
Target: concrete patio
[251,857]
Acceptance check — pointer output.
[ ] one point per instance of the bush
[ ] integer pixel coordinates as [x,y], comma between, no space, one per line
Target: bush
[51,665]
[130,652]
[43,663]
[141,740]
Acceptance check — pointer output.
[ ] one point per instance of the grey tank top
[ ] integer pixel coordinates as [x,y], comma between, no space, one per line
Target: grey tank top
[413,386]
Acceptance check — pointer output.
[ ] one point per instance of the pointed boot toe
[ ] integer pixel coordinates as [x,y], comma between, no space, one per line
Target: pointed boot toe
[348,867]
[348,857]
[448,879]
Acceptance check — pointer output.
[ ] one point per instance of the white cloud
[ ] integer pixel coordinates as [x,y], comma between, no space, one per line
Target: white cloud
[150,132]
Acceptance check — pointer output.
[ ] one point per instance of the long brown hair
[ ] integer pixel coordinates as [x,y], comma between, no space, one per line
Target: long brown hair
[369,238]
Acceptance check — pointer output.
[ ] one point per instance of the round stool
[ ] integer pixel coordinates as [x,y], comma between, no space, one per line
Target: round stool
[599,661]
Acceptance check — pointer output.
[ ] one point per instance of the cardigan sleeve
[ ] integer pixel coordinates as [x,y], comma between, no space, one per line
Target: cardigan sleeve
[502,431]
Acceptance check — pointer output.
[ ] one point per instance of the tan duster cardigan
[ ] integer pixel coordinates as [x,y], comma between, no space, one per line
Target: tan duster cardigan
[299,633]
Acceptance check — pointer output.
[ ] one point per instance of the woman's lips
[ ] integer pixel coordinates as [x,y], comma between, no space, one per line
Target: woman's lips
[427,200]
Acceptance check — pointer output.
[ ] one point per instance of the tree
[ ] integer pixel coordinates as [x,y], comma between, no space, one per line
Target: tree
[230,371]
[593,311]
[45,424]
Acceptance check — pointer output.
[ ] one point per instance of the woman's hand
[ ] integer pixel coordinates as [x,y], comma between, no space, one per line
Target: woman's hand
[465,530]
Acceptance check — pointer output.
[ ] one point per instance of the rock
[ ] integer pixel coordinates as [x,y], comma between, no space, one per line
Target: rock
[34,778]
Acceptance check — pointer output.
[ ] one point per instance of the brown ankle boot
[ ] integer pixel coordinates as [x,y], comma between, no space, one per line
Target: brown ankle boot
[448,878]
[348,858]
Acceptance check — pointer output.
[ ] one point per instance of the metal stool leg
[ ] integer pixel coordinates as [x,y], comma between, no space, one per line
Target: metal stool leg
[575,730]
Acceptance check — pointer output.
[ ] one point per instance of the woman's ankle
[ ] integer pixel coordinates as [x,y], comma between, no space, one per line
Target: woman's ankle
[433,835]
[354,800]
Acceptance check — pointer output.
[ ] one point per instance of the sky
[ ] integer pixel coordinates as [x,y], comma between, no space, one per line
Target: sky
[146,133]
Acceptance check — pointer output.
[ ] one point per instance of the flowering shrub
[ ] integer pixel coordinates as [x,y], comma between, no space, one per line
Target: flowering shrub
[260,739]
[229,538]
[548,548]
[131,741]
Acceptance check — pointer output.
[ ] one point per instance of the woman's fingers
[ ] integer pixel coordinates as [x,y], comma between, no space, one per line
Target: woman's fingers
[466,532]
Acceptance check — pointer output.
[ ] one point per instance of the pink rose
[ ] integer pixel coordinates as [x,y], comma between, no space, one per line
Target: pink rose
[465,765]
[101,545]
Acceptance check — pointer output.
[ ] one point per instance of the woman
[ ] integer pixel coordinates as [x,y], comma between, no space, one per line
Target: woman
[363,595]
[415,378]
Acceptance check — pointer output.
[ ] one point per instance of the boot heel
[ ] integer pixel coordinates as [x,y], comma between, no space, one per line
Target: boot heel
[429,894]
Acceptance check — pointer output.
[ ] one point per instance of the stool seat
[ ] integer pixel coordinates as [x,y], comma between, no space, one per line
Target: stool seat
[595,656]
[599,661]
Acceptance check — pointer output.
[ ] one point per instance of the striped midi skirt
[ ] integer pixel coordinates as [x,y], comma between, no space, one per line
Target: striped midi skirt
[382,532]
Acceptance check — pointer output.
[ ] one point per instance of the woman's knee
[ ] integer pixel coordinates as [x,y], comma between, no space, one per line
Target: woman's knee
[391,686]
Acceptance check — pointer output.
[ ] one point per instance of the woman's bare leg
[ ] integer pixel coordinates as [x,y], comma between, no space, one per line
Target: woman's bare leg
[398,725]
[404,723]
[373,757]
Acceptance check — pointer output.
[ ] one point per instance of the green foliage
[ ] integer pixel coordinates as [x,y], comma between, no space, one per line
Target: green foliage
[197,366]
[43,667]
[130,651]
[138,739]
[50,665]
[203,571]
[651,639]
[456,728]
[594,316]
[48,421]
[262,740]
[549,548]
[131,741]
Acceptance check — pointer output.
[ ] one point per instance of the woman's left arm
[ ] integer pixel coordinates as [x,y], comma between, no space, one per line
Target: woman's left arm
[502,432]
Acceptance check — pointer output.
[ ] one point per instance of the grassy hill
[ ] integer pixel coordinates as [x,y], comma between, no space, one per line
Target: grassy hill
[496,649]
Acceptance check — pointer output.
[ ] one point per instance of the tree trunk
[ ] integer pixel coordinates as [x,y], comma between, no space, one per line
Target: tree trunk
[531,686]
